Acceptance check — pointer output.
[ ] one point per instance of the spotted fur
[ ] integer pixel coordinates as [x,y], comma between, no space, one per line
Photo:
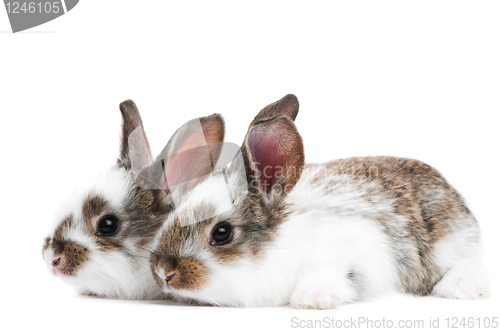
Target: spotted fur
[342,231]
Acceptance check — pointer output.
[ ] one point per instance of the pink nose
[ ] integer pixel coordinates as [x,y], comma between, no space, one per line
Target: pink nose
[56,262]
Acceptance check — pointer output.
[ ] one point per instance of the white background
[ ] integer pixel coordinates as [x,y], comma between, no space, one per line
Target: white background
[414,79]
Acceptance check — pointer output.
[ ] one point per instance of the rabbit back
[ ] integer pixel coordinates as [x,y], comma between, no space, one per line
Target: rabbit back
[428,227]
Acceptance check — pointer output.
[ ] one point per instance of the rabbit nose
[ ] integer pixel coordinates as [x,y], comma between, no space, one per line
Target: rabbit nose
[166,268]
[166,275]
[170,277]
[56,262]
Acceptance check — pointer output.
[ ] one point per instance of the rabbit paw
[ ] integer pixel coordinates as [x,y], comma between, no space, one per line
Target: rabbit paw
[467,281]
[314,299]
[462,288]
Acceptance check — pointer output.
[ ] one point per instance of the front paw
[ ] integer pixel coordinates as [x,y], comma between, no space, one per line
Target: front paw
[314,299]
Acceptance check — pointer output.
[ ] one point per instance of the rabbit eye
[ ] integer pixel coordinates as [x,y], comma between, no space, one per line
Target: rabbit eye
[222,233]
[108,225]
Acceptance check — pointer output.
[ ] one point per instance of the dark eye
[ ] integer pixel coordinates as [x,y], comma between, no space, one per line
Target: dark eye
[108,225]
[222,233]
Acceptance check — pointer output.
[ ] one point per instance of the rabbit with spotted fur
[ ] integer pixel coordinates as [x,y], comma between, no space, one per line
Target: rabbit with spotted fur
[317,235]
[100,236]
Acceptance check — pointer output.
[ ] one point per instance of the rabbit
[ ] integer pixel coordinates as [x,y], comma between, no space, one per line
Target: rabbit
[314,236]
[98,243]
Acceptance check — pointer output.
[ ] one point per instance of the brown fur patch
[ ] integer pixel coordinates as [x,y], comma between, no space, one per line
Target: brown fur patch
[226,253]
[190,273]
[143,215]
[173,239]
[73,256]
[140,218]
[413,184]
[93,207]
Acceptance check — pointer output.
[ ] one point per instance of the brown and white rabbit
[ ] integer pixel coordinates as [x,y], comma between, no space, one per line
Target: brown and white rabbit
[98,240]
[318,235]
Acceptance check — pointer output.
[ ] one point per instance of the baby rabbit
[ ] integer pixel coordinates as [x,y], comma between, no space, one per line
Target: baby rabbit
[99,239]
[315,236]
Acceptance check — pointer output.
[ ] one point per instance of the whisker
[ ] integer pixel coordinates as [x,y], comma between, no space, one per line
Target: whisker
[69,264]
[98,276]
[140,275]
[147,249]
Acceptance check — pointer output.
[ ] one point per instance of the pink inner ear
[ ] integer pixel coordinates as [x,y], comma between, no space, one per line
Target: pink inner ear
[269,156]
[212,135]
[193,157]
[187,165]
[191,142]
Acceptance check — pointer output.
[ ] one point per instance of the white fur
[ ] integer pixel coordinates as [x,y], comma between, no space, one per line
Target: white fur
[114,184]
[459,246]
[461,261]
[220,199]
[468,280]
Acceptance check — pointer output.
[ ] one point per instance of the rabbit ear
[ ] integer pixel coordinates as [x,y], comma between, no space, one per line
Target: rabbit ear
[274,155]
[193,150]
[288,105]
[135,152]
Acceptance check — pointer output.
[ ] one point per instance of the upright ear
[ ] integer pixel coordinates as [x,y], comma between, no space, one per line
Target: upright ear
[274,156]
[134,150]
[193,150]
[288,105]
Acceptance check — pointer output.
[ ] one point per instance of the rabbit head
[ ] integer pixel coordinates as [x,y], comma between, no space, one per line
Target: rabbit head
[236,213]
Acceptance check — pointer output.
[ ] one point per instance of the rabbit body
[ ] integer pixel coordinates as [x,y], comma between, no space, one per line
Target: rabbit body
[327,234]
